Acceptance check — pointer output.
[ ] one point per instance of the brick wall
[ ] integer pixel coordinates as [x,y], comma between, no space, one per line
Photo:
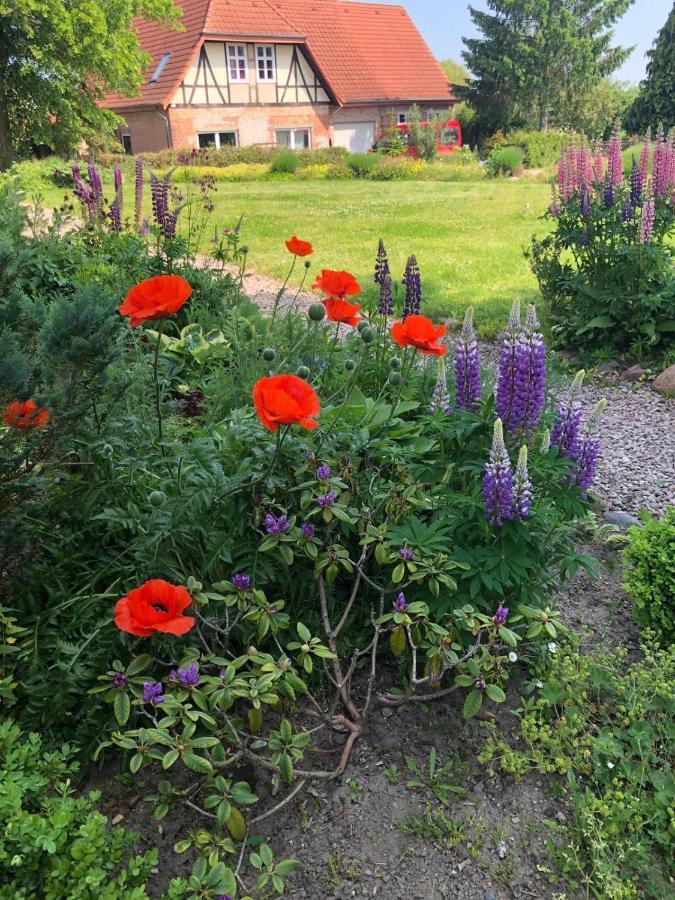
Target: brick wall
[382,114]
[148,131]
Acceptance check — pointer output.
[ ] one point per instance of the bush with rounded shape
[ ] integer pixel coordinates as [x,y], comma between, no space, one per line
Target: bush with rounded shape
[650,575]
[362,164]
[505,161]
[286,163]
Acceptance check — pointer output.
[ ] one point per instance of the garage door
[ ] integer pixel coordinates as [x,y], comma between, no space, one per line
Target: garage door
[358,137]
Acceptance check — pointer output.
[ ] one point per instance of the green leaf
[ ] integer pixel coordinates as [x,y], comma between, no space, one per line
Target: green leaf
[135,763]
[398,573]
[197,763]
[286,768]
[236,825]
[473,702]
[303,632]
[495,693]
[139,664]
[397,641]
[122,707]
[169,759]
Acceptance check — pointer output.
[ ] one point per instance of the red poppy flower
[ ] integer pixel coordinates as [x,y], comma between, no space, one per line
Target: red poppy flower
[25,414]
[155,298]
[285,400]
[337,285]
[298,247]
[154,606]
[342,311]
[421,333]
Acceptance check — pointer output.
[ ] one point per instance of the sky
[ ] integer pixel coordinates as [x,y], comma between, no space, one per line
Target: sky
[444,22]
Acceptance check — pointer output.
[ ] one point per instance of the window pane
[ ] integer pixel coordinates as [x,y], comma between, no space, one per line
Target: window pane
[228,138]
[284,138]
[207,139]
[302,139]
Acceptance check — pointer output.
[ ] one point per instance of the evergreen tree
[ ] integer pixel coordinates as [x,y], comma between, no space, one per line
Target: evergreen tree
[656,101]
[534,56]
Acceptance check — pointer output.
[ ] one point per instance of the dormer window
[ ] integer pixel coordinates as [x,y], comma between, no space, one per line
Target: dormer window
[237,65]
[264,55]
[160,68]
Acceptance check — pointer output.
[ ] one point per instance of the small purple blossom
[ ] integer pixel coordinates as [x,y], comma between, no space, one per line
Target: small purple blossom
[152,692]
[404,553]
[498,480]
[191,404]
[189,676]
[323,472]
[381,264]
[276,525]
[308,530]
[608,192]
[479,684]
[241,582]
[327,499]
[400,603]
[467,366]
[501,616]
[225,897]
[627,211]
[119,680]
[386,305]
[413,288]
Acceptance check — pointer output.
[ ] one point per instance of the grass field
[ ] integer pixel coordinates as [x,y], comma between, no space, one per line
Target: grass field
[468,236]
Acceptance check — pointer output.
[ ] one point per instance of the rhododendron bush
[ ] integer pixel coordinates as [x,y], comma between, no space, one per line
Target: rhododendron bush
[253,530]
[606,270]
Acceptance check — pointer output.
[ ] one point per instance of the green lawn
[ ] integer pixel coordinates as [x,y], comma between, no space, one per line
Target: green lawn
[468,237]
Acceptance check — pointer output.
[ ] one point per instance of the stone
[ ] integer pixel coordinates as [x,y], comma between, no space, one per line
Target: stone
[569,356]
[665,382]
[621,519]
[634,373]
[607,368]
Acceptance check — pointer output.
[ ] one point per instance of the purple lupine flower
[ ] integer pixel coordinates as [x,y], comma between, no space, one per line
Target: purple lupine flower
[116,205]
[404,553]
[608,192]
[164,218]
[584,164]
[584,200]
[189,676]
[96,187]
[138,191]
[152,692]
[225,897]
[501,616]
[274,525]
[498,480]
[84,194]
[660,161]
[530,377]
[323,472]
[627,210]
[386,305]
[440,399]
[400,603]
[565,434]
[506,378]
[564,179]
[144,230]
[554,206]
[191,404]
[467,366]
[647,221]
[645,154]
[241,582]
[635,184]
[413,288]
[381,264]
[119,680]
[522,487]
[308,530]
[614,158]
[327,499]
[598,164]
[589,453]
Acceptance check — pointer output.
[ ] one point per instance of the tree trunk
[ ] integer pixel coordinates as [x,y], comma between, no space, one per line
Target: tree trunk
[543,119]
[7,154]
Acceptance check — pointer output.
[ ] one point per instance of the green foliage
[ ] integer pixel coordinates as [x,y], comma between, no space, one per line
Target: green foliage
[540,148]
[605,725]
[53,844]
[456,72]
[656,100]
[57,65]
[285,163]
[505,161]
[594,112]
[362,164]
[650,575]
[532,58]
[421,139]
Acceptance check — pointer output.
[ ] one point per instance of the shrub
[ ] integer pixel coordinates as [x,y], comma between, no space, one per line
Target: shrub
[606,270]
[540,148]
[362,164]
[284,164]
[234,172]
[650,575]
[320,171]
[391,168]
[53,844]
[505,161]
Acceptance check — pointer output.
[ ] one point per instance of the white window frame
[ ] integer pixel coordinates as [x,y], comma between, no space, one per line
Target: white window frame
[265,56]
[240,55]
[217,145]
[292,145]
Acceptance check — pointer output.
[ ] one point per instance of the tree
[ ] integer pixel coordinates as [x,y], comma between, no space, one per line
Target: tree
[536,55]
[57,59]
[456,72]
[656,101]
[595,112]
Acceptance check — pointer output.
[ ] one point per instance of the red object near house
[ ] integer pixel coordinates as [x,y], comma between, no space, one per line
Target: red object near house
[448,135]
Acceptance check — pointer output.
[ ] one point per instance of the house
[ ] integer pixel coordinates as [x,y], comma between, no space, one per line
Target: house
[295,73]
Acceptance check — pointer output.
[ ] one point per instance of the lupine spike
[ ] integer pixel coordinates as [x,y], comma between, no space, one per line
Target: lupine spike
[545,441]
[506,379]
[647,221]
[467,366]
[522,488]
[381,264]
[565,434]
[440,399]
[498,480]
[386,305]
[522,377]
[138,188]
[413,288]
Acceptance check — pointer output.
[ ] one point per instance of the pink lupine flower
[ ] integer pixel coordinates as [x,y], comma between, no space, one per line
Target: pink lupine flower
[614,158]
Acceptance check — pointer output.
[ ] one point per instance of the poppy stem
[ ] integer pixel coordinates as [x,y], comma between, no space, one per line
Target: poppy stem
[281,290]
[155,372]
[331,352]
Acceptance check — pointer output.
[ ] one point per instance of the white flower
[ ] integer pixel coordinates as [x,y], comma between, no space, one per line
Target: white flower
[513,656]
[539,684]
[610,765]
[552,647]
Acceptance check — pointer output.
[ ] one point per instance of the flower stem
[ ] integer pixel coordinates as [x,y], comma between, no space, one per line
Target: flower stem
[155,372]
[281,290]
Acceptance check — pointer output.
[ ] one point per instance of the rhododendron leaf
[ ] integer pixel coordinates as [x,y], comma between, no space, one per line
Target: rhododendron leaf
[139,664]
[182,846]
[473,702]
[122,707]
[286,768]
[397,641]
[236,824]
[495,693]
[254,720]
[398,573]
[509,637]
[169,759]
[303,632]
[197,763]
[135,763]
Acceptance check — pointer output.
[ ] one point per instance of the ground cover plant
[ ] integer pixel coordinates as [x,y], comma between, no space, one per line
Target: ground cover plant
[231,536]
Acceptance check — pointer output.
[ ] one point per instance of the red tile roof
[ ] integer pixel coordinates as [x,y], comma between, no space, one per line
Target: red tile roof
[367,52]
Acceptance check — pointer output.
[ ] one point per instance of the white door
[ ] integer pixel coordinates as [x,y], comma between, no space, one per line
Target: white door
[358,137]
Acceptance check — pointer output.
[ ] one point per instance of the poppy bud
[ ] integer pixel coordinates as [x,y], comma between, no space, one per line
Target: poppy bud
[303,372]
[395,378]
[307,264]
[363,324]
[157,499]
[317,312]
[350,365]
[106,450]
[394,363]
[245,248]
[269,353]
[368,335]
